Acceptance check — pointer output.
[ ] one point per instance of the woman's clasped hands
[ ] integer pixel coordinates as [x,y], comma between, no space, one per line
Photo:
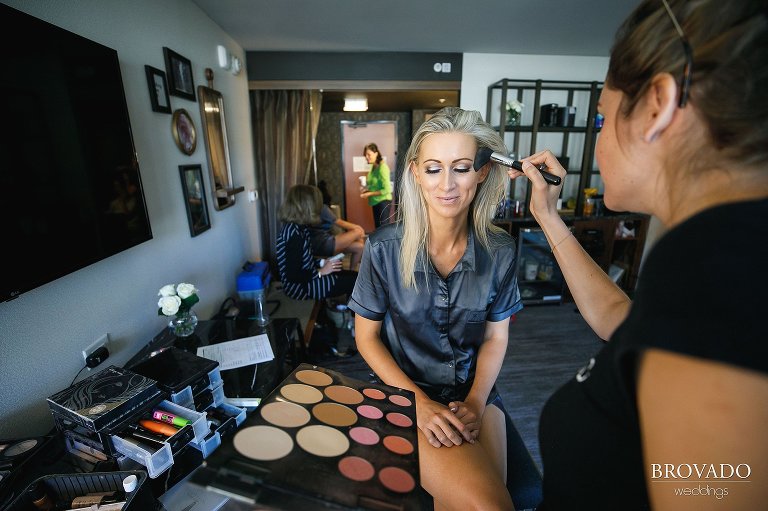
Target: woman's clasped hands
[450,425]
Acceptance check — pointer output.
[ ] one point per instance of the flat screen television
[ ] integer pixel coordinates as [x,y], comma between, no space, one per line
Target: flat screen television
[70,188]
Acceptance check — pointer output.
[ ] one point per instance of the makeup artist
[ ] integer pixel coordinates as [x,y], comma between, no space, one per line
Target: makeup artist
[433,299]
[684,378]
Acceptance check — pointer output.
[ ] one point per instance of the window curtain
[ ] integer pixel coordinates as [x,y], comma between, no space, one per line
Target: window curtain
[284,129]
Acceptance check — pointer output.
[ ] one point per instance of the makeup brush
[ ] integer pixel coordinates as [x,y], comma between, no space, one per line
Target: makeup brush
[485,154]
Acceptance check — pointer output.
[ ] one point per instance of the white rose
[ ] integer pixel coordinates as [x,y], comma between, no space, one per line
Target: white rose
[169,305]
[185,290]
[167,290]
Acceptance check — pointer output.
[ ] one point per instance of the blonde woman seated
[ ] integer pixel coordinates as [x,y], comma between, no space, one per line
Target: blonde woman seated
[433,300]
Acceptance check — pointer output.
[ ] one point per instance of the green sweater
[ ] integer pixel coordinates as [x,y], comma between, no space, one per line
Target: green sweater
[378,179]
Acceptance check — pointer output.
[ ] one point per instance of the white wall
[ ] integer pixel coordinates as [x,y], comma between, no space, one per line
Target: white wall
[43,331]
[479,70]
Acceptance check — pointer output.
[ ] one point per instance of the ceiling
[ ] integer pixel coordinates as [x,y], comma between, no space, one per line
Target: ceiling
[538,27]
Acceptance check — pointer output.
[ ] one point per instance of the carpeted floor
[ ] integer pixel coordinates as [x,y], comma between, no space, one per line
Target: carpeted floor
[547,345]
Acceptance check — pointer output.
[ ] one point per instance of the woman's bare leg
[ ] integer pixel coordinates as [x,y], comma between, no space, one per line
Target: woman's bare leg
[468,476]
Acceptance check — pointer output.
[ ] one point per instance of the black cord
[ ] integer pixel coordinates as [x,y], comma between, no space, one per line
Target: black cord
[78,374]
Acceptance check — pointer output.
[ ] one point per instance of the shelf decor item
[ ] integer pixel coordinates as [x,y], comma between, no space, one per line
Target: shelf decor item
[514,111]
[177,300]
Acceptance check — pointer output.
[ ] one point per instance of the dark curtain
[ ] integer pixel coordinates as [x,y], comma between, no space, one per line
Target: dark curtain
[284,127]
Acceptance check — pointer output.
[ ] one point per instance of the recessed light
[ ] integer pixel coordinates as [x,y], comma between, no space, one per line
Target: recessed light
[355,104]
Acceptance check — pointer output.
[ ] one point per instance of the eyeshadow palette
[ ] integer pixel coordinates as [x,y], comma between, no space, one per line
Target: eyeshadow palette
[322,439]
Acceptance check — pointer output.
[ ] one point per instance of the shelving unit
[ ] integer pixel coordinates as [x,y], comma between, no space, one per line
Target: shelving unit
[576,142]
[539,277]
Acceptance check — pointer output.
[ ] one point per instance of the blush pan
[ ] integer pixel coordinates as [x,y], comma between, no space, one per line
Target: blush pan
[374,393]
[398,444]
[356,468]
[371,412]
[397,479]
[398,419]
[400,400]
[363,435]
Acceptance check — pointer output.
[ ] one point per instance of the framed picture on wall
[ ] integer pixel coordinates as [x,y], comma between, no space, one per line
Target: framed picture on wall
[194,199]
[179,70]
[184,133]
[158,90]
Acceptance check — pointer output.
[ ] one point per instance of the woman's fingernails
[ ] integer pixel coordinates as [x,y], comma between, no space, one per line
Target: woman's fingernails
[454,409]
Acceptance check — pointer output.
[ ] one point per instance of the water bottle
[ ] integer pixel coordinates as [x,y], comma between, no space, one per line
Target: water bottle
[260,308]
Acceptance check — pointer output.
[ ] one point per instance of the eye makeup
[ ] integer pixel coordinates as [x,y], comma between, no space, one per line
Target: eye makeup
[323,437]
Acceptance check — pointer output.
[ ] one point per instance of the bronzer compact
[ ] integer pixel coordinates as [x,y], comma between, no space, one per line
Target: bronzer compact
[323,440]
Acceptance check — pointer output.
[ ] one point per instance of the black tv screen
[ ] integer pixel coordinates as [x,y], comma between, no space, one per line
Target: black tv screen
[69,177]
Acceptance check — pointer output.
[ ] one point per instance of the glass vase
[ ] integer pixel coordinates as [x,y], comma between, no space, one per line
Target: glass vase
[183,323]
[513,118]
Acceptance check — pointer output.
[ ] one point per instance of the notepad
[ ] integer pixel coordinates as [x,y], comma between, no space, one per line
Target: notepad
[240,352]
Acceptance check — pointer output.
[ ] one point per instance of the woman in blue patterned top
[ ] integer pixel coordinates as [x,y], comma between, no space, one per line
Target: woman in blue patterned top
[303,276]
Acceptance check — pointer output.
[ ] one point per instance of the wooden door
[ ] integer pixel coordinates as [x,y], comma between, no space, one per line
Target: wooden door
[355,135]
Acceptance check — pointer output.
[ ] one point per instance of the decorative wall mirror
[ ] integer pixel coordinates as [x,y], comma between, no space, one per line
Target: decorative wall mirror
[214,128]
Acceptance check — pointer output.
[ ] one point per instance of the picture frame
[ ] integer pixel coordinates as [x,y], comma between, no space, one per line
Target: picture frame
[194,198]
[179,70]
[184,132]
[158,90]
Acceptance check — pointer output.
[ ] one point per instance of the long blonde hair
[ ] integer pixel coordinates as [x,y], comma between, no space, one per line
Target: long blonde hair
[412,210]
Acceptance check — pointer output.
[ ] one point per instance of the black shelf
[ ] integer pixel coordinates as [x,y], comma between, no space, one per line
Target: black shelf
[534,93]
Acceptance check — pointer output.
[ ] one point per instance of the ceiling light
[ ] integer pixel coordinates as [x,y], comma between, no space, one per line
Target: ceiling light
[441,100]
[355,104]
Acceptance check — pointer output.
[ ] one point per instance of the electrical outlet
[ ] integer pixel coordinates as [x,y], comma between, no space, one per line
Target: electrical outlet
[98,343]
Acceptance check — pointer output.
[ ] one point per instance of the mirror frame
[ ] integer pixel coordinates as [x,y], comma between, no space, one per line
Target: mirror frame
[214,129]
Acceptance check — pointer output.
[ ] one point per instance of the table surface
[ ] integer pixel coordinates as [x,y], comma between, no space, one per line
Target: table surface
[253,381]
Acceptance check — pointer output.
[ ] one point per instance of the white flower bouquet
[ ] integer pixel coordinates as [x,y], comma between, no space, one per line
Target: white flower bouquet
[175,298]
[514,111]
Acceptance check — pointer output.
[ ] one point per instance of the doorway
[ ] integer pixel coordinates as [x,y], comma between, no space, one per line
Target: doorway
[355,135]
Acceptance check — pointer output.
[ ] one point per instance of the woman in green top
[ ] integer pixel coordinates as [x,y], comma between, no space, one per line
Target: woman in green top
[378,189]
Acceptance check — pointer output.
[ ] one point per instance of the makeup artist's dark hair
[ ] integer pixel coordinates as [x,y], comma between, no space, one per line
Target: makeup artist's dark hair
[730,66]
[375,149]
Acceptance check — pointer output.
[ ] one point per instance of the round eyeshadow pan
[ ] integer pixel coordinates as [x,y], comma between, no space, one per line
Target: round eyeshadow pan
[342,394]
[398,445]
[300,393]
[356,468]
[334,414]
[396,479]
[314,378]
[285,414]
[363,435]
[400,400]
[370,412]
[322,441]
[374,393]
[263,443]
[398,419]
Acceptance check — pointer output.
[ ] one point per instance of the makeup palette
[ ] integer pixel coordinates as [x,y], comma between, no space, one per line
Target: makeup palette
[321,439]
